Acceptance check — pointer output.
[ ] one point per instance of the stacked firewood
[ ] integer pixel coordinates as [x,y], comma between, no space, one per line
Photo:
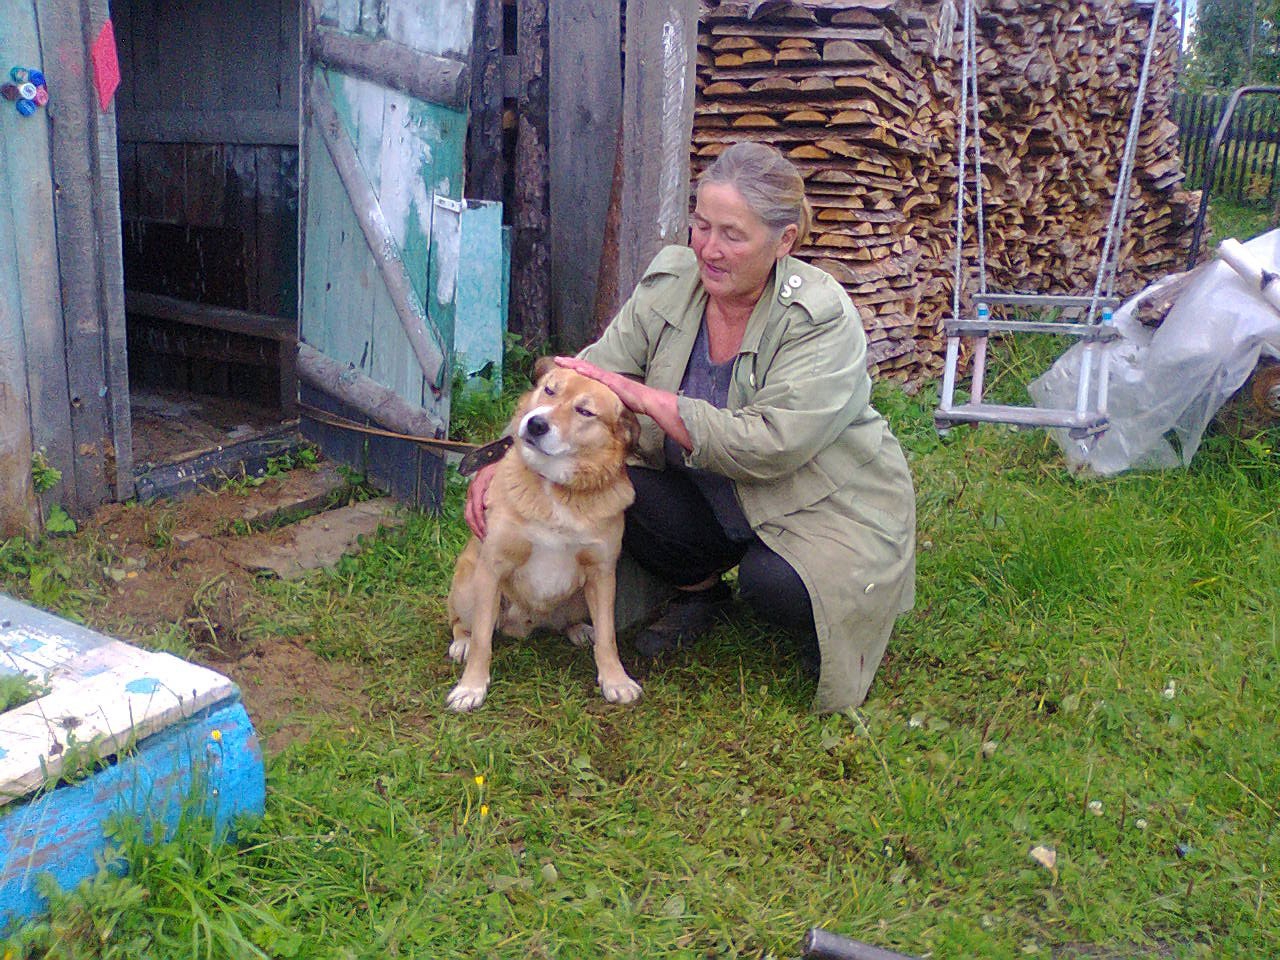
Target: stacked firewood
[863,95]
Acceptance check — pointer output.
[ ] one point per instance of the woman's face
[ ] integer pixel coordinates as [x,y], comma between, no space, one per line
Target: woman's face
[736,250]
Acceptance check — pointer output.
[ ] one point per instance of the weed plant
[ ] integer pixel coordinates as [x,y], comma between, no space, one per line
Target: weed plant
[18,688]
[1070,751]
[481,407]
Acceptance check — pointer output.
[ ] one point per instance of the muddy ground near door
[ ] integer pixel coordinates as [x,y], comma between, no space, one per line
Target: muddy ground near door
[177,566]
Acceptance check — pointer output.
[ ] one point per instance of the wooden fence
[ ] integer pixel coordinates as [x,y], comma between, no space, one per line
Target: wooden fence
[1249,158]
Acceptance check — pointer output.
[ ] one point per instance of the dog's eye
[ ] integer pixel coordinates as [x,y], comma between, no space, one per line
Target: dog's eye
[584,412]
[548,390]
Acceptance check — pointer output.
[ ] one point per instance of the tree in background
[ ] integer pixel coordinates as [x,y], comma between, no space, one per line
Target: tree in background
[1234,42]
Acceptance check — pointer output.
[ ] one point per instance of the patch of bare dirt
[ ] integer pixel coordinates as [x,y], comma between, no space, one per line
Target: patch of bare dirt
[175,563]
[289,691]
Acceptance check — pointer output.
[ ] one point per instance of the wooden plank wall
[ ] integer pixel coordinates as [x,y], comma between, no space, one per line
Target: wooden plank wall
[208,112]
[601,171]
[85,342]
[28,291]
[106,198]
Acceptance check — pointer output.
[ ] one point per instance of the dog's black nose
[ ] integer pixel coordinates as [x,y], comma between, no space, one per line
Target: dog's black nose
[537,427]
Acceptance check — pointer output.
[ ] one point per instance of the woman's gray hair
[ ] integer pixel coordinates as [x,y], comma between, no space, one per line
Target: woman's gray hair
[769,183]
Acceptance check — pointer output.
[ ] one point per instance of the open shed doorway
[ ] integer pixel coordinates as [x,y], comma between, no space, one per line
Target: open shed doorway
[208,159]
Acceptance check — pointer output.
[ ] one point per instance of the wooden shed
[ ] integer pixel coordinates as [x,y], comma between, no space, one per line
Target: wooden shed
[234,222]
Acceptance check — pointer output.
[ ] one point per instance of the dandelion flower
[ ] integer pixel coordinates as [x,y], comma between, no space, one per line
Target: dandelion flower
[484,810]
[1141,823]
[479,778]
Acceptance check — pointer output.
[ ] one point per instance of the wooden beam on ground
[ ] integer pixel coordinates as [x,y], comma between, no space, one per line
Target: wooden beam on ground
[585,107]
[657,128]
[425,76]
[381,242]
[531,253]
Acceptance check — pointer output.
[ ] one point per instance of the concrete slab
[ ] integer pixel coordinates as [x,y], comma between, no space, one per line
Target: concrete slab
[319,541]
[309,490]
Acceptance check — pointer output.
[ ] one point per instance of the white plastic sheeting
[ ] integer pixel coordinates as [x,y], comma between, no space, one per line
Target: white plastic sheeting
[1172,379]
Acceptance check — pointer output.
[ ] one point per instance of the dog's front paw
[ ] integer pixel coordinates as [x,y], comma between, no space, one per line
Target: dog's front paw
[581,634]
[458,649]
[624,690]
[463,698]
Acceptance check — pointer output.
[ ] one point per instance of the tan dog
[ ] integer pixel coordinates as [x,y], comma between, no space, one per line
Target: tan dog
[553,534]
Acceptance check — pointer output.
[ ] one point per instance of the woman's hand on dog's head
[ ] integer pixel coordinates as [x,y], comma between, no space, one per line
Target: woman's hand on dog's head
[478,500]
[631,392]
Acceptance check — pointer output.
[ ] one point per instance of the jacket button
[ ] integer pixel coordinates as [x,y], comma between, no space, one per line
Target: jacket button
[793,281]
[785,293]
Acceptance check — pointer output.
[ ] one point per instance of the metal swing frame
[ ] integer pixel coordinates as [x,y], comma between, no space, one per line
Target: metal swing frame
[1088,419]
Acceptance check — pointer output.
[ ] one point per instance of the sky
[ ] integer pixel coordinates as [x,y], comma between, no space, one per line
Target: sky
[1190,18]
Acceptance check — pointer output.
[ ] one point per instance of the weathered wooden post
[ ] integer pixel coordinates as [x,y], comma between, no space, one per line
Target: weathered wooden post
[585,108]
[657,125]
[530,215]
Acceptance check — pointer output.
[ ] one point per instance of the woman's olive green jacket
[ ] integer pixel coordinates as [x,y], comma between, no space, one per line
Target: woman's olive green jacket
[820,478]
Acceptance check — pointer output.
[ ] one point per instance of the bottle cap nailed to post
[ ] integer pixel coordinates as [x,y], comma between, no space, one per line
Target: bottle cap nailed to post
[26,107]
[19,74]
[27,91]
[9,91]
[35,77]
[42,96]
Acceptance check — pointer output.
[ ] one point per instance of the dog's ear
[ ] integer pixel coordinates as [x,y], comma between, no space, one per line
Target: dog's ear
[629,427]
[542,366]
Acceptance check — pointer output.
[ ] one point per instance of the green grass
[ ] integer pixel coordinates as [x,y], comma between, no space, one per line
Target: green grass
[1092,666]
[1243,221]
[17,689]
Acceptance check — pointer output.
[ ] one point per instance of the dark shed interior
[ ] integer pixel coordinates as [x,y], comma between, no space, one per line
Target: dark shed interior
[208,160]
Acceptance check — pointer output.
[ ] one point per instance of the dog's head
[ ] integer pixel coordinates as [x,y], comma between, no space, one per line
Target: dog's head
[573,430]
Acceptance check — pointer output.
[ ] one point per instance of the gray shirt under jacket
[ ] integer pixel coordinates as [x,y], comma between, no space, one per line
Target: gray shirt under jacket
[705,380]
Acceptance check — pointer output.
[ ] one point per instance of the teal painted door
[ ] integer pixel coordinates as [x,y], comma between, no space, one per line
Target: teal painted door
[384,123]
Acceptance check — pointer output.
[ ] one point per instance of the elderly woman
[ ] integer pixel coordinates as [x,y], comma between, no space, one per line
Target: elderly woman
[760,448]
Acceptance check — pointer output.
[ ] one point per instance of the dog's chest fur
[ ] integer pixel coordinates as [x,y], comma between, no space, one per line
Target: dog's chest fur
[552,573]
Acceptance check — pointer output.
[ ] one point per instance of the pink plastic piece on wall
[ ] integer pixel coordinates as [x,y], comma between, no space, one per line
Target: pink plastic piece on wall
[106,68]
